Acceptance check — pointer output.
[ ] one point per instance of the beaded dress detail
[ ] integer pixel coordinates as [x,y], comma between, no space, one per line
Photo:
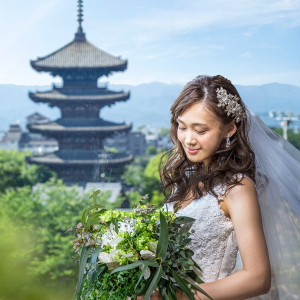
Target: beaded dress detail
[213,242]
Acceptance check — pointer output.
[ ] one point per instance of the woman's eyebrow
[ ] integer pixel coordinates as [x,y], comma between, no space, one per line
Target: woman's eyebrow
[193,124]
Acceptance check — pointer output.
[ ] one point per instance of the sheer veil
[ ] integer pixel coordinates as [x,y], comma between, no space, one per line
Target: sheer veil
[278,189]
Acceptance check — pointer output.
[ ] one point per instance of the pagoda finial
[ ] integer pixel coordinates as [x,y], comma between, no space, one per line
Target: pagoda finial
[80,34]
[80,12]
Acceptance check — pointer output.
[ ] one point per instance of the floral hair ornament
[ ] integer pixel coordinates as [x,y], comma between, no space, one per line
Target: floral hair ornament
[231,104]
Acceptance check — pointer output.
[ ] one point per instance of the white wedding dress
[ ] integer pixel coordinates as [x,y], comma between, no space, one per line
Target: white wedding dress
[213,242]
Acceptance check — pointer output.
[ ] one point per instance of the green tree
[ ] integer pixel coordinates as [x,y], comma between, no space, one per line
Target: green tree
[293,138]
[48,211]
[151,150]
[14,172]
[143,176]
[164,132]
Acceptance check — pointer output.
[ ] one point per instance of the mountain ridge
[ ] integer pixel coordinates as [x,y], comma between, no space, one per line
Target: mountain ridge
[149,103]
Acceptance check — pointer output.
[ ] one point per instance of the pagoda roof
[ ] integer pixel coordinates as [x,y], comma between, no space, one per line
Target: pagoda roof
[81,157]
[79,54]
[78,125]
[93,95]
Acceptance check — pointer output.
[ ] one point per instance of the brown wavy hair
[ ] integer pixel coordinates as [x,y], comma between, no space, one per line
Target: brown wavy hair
[180,177]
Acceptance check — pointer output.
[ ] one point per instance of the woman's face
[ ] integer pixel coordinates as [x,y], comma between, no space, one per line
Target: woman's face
[200,133]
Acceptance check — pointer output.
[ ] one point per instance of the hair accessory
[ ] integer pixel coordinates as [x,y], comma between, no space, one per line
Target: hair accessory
[228,140]
[230,103]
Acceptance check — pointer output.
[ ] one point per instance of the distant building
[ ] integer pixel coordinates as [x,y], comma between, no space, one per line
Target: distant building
[133,142]
[18,139]
[153,138]
[11,138]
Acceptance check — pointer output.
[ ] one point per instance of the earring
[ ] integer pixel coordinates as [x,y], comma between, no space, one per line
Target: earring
[228,140]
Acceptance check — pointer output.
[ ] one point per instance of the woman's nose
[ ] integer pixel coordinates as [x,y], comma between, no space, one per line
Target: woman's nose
[189,138]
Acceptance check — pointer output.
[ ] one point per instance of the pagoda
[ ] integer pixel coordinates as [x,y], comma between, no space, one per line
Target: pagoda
[80,130]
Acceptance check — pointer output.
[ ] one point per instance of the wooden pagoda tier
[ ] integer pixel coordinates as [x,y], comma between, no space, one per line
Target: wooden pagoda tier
[81,165]
[79,102]
[79,133]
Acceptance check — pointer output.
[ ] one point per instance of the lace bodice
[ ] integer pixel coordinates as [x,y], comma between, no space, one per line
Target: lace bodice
[213,242]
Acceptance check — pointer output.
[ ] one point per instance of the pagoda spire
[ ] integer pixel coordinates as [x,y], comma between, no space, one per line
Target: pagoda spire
[80,35]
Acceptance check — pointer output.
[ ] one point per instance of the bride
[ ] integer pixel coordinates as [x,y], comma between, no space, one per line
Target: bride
[240,182]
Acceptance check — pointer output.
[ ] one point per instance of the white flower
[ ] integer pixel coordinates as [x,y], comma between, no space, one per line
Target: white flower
[104,257]
[109,259]
[147,271]
[152,246]
[127,255]
[116,241]
[109,235]
[127,226]
[146,254]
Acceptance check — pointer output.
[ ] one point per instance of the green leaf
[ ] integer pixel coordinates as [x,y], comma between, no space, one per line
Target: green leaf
[183,220]
[147,263]
[95,255]
[189,253]
[194,276]
[96,206]
[79,288]
[94,196]
[115,222]
[145,286]
[153,283]
[128,267]
[95,276]
[197,266]
[83,259]
[183,285]
[83,217]
[172,291]
[93,219]
[163,240]
[163,293]
[197,287]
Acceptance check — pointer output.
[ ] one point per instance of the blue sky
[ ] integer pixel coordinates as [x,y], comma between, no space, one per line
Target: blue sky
[250,42]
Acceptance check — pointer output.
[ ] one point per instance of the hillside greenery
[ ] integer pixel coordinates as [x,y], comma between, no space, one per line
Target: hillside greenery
[36,251]
[293,138]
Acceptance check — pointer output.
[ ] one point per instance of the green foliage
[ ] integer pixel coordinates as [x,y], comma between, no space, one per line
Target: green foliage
[151,170]
[16,280]
[115,286]
[14,171]
[294,138]
[143,175]
[151,150]
[164,132]
[111,149]
[48,211]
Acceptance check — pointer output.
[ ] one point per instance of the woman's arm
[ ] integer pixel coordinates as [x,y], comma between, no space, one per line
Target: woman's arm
[255,277]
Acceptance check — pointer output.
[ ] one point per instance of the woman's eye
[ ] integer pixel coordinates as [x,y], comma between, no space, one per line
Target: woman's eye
[200,132]
[181,128]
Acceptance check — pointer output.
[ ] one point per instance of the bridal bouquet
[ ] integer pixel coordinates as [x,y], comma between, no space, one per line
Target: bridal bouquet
[127,254]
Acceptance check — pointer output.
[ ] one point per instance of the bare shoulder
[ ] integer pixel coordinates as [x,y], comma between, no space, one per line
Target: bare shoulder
[241,200]
[244,190]
[236,198]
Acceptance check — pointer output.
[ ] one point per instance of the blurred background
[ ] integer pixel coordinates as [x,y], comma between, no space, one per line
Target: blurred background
[85,93]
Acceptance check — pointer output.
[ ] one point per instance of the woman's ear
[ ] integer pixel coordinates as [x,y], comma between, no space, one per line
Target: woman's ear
[232,128]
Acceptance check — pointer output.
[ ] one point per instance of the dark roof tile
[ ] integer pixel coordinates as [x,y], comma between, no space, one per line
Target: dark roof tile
[79,54]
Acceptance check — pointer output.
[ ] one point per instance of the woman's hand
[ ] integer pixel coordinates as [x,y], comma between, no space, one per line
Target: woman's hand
[181,296]
[155,296]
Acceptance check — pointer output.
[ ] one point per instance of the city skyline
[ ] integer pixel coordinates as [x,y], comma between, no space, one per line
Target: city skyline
[250,42]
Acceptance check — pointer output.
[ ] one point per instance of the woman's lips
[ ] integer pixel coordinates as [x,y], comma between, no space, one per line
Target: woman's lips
[192,151]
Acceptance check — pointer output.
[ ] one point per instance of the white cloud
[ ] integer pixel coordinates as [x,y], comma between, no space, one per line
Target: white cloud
[195,15]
